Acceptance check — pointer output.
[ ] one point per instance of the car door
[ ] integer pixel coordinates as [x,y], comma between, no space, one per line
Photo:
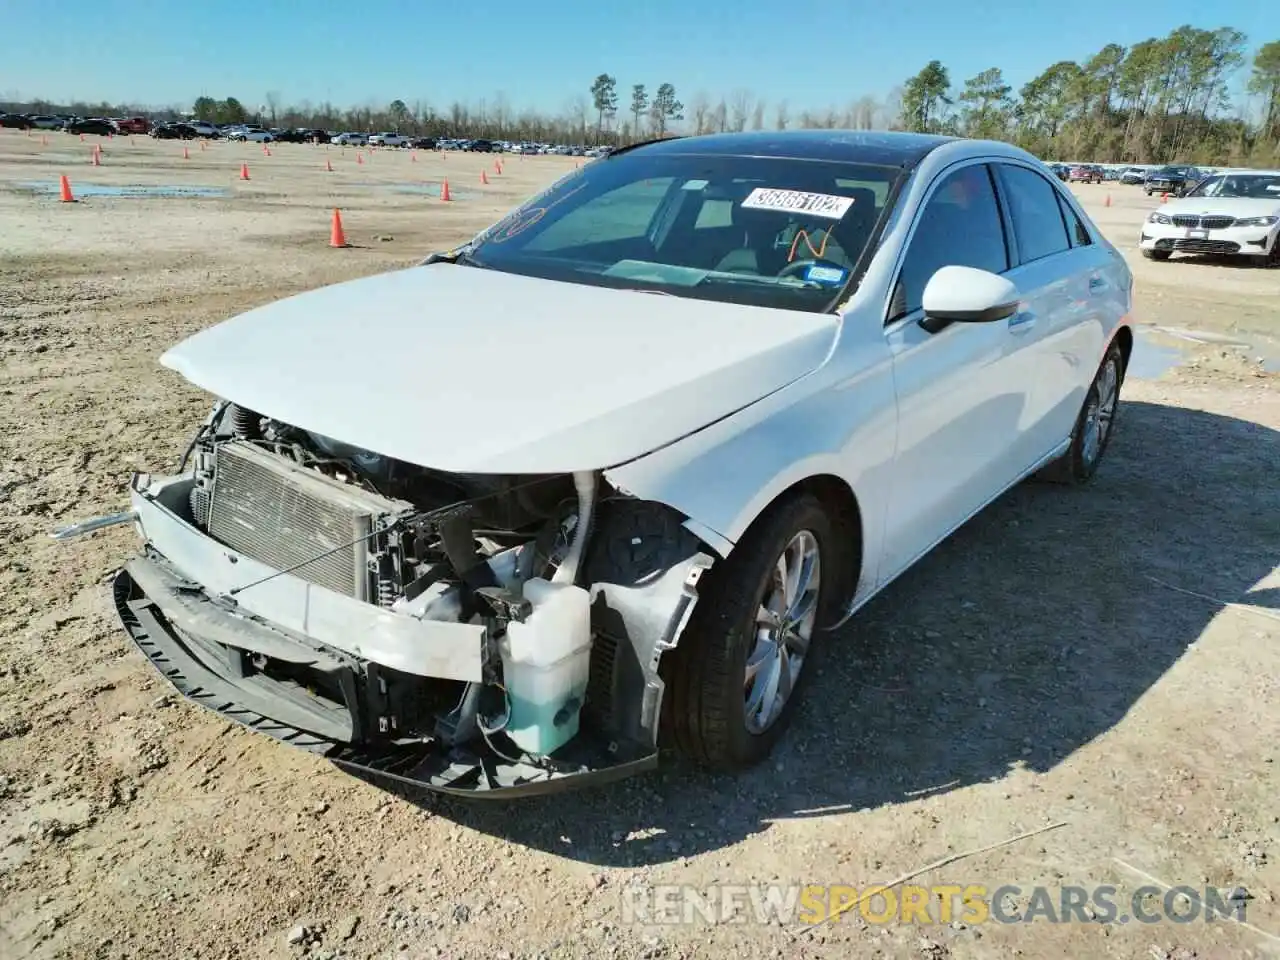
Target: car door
[1045,335]
[959,393]
[1064,277]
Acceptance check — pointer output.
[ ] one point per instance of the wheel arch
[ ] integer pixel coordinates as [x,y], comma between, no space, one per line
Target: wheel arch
[1123,338]
[832,491]
[841,505]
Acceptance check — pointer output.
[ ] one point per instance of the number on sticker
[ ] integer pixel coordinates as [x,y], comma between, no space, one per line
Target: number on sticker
[796,201]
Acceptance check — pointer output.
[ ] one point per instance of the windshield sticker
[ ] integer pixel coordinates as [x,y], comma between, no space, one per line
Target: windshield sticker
[796,201]
[525,218]
[827,276]
[817,252]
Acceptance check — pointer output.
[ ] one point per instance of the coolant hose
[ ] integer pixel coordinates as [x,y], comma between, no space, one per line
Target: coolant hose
[584,482]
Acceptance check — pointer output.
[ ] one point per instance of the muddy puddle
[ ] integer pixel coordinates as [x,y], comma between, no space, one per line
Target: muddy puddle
[1158,349]
[82,189]
[420,189]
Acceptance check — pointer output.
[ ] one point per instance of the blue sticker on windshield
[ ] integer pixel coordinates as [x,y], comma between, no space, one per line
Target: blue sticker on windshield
[828,276]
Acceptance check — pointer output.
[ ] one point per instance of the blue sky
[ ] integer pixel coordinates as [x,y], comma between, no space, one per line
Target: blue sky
[541,55]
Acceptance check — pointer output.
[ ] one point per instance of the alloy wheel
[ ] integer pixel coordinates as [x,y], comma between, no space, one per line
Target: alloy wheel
[784,628]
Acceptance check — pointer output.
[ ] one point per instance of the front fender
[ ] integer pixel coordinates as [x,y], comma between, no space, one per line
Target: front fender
[722,477]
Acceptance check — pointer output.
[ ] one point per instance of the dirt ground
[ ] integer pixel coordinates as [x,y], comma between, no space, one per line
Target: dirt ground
[1046,664]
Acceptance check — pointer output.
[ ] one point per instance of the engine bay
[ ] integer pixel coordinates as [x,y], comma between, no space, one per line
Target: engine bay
[418,527]
[499,552]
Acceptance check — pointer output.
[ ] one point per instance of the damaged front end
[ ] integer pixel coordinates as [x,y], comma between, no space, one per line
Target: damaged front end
[474,634]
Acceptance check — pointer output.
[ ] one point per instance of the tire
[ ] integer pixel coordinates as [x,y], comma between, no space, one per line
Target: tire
[1078,465]
[705,713]
[1157,254]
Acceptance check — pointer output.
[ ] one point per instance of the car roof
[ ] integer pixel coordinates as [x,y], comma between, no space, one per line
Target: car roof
[882,148]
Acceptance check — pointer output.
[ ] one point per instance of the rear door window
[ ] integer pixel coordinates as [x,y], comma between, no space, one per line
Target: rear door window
[1075,226]
[1037,216]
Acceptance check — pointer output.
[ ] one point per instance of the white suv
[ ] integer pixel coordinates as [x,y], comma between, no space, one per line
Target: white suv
[388,140]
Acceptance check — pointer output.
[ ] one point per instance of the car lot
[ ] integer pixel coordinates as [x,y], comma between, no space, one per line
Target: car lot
[1032,670]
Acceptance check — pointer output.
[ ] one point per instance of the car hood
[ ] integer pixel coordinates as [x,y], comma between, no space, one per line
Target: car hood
[1227,206]
[476,371]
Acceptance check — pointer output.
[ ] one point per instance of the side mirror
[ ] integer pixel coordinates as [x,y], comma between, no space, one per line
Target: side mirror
[958,294]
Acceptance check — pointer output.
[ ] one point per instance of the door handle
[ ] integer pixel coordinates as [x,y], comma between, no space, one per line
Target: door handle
[1022,321]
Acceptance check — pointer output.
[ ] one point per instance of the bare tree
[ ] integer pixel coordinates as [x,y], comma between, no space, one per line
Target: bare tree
[500,113]
[273,105]
[781,117]
[699,111]
[757,115]
[864,113]
[576,112]
[739,108]
[720,117]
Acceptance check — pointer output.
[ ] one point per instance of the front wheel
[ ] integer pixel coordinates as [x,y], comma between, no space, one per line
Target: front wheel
[1157,254]
[1094,424]
[735,677]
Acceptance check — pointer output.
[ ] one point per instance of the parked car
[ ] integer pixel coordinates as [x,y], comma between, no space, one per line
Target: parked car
[1133,175]
[480,146]
[174,131]
[301,135]
[350,139]
[204,128]
[95,125]
[1086,173]
[1236,212]
[494,604]
[1171,179]
[388,140]
[134,125]
[1060,170]
[251,134]
[15,121]
[45,123]
[423,143]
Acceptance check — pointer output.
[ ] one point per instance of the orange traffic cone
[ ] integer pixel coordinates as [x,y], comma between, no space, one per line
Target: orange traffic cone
[483,177]
[1164,198]
[44,141]
[96,158]
[444,190]
[1107,202]
[186,155]
[81,136]
[328,167]
[413,157]
[203,144]
[65,190]
[359,158]
[336,237]
[244,171]
[497,167]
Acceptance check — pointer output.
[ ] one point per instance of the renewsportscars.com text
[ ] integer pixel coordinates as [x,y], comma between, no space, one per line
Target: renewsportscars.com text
[971,904]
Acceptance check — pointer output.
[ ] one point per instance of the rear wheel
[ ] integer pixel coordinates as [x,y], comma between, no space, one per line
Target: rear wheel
[737,674]
[1157,254]
[1094,424]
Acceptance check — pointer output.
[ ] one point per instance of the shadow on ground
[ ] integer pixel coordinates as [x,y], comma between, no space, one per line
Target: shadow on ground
[1026,635]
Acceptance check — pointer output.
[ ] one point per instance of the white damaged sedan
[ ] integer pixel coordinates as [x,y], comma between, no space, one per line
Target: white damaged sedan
[604,477]
[1233,212]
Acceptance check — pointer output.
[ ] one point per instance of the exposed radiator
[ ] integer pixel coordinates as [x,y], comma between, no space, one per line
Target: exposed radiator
[281,514]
